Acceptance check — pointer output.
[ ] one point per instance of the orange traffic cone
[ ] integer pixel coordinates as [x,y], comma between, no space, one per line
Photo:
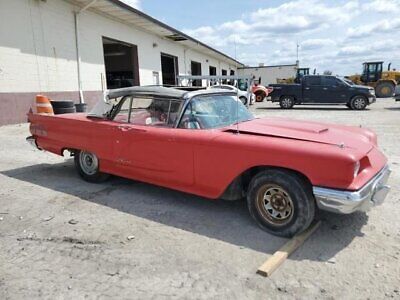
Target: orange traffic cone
[43,105]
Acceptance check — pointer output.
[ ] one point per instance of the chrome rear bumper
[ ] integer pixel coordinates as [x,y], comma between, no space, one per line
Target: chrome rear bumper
[32,141]
[346,202]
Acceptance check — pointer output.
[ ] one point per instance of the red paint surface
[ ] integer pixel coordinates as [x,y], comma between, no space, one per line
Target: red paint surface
[204,162]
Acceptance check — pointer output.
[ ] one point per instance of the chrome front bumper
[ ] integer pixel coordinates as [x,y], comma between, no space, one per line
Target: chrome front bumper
[346,202]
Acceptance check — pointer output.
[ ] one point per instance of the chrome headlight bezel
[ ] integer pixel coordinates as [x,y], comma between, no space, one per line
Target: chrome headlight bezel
[356,169]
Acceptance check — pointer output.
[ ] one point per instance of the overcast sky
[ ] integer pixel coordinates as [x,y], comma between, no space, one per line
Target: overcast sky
[333,35]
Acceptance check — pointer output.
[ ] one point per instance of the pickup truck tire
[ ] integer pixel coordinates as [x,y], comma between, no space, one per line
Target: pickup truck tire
[87,165]
[243,99]
[385,89]
[358,103]
[286,102]
[281,202]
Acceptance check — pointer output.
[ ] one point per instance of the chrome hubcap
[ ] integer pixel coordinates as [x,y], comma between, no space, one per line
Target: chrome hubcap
[275,204]
[88,162]
[359,103]
[286,102]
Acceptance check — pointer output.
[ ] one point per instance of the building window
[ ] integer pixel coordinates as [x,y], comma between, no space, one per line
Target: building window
[213,71]
[224,73]
[196,70]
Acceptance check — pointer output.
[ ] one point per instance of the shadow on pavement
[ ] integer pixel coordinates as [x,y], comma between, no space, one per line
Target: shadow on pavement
[222,220]
[323,108]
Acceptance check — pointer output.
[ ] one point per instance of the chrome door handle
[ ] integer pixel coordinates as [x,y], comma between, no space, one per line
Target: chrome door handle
[124,128]
[307,88]
[324,89]
[130,128]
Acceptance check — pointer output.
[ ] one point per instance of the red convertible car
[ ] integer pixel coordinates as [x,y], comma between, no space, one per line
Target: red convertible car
[207,143]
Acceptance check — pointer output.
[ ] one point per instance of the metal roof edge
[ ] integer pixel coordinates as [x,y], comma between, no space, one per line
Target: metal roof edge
[149,18]
[271,66]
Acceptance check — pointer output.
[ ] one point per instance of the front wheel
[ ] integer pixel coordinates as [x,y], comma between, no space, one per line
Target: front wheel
[358,103]
[286,102]
[281,202]
[87,165]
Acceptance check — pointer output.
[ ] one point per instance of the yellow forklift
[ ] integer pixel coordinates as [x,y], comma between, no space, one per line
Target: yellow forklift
[373,75]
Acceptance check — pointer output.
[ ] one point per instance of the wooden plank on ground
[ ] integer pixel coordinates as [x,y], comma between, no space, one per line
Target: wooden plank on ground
[280,256]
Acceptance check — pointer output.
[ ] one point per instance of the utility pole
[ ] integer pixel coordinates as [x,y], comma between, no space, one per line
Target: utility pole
[297,53]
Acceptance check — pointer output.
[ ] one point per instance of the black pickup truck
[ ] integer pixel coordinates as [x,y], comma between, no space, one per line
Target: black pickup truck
[323,89]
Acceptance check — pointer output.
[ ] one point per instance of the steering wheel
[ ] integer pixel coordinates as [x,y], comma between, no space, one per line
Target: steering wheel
[185,123]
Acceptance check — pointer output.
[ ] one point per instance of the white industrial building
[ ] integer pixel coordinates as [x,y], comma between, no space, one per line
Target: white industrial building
[76,49]
[266,75]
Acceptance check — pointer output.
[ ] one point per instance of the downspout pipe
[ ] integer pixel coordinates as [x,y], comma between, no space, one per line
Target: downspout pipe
[78,56]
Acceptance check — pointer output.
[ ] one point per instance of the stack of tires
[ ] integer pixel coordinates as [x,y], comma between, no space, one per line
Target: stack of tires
[63,106]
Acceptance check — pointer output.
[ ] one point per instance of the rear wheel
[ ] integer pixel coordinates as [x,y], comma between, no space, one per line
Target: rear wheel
[260,96]
[358,103]
[384,89]
[286,102]
[243,100]
[87,165]
[281,202]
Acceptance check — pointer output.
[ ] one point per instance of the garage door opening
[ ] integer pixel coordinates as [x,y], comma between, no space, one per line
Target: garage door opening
[196,70]
[121,63]
[169,69]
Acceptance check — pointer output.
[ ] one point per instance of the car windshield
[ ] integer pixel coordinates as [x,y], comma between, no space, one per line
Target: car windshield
[213,111]
[346,80]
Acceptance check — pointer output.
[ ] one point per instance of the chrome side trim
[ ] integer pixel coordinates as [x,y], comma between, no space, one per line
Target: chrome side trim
[345,202]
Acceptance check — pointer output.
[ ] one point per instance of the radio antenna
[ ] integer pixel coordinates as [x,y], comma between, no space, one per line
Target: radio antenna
[237,92]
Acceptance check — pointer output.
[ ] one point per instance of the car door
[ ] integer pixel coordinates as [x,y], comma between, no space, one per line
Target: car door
[313,91]
[341,93]
[333,90]
[150,150]
[316,90]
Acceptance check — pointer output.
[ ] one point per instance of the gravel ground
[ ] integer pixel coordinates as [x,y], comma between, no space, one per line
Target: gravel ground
[61,237]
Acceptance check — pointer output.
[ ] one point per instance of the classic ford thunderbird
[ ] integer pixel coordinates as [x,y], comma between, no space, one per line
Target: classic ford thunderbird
[207,143]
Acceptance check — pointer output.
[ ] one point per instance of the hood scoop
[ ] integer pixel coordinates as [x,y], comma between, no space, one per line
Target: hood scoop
[281,136]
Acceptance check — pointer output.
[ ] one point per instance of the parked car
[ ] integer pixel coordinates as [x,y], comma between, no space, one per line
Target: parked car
[207,143]
[243,95]
[323,89]
[397,93]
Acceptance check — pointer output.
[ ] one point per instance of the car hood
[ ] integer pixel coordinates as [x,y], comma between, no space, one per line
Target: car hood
[341,136]
[362,87]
